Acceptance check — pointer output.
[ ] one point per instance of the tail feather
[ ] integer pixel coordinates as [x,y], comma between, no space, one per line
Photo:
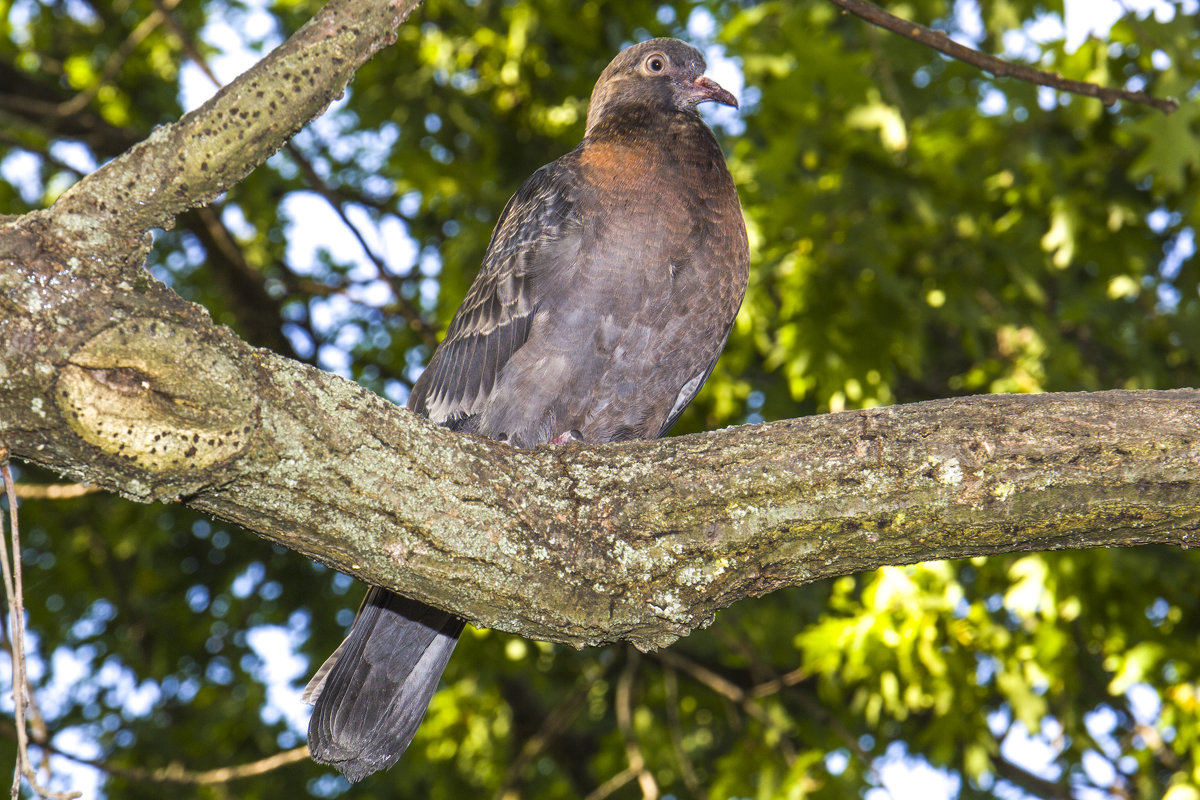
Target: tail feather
[372,693]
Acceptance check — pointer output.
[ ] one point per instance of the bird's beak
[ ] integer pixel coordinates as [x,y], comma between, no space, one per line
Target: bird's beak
[708,89]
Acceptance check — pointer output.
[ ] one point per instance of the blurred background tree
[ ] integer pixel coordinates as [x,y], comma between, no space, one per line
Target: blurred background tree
[918,229]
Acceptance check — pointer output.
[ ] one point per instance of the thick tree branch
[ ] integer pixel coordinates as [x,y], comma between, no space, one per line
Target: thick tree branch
[113,380]
[939,41]
[642,541]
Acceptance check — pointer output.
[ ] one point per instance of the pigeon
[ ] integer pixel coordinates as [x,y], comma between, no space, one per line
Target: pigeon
[606,294]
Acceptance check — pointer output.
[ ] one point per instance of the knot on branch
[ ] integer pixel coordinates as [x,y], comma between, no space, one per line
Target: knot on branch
[153,394]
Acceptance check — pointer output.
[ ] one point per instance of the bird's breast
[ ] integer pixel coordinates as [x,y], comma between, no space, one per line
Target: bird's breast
[615,169]
[646,201]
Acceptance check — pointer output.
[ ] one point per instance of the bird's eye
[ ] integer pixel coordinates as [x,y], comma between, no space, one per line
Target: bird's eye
[655,63]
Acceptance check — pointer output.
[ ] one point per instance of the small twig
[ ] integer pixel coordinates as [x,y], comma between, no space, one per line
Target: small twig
[612,784]
[18,672]
[16,607]
[42,153]
[1154,741]
[779,683]
[116,60]
[686,770]
[698,672]
[939,41]
[259,314]
[730,691]
[633,751]
[736,640]
[40,733]
[1027,782]
[185,41]
[177,774]
[54,491]
[553,726]
[406,309]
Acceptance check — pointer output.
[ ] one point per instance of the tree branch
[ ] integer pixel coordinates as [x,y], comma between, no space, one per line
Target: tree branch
[113,380]
[22,693]
[188,163]
[1026,781]
[584,544]
[939,41]
[176,773]
[53,491]
[403,306]
[116,60]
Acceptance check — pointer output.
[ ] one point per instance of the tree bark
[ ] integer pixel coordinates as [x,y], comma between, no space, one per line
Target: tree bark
[112,379]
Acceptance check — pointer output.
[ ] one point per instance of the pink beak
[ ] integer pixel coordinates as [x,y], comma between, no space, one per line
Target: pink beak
[708,89]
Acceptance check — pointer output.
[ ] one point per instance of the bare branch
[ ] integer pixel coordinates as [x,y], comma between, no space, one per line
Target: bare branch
[939,41]
[604,790]
[551,730]
[582,544]
[1033,784]
[633,750]
[233,258]
[675,732]
[16,609]
[188,163]
[400,304]
[180,775]
[53,491]
[117,60]
[737,642]
[163,7]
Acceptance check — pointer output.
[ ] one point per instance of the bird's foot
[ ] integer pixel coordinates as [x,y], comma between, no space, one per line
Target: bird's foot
[568,437]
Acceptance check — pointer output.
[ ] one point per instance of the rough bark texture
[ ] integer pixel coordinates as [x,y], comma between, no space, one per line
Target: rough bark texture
[109,377]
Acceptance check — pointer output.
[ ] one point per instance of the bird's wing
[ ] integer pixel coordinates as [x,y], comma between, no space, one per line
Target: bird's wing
[687,393]
[538,232]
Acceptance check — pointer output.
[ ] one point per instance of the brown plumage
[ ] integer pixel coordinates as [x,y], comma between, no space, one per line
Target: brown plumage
[606,294]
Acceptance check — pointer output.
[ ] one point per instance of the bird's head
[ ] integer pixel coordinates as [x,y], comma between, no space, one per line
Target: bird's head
[659,72]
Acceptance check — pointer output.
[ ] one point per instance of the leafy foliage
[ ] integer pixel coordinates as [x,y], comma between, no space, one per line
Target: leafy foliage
[919,229]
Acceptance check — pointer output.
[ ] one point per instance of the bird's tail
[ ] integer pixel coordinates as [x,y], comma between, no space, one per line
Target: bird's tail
[372,693]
